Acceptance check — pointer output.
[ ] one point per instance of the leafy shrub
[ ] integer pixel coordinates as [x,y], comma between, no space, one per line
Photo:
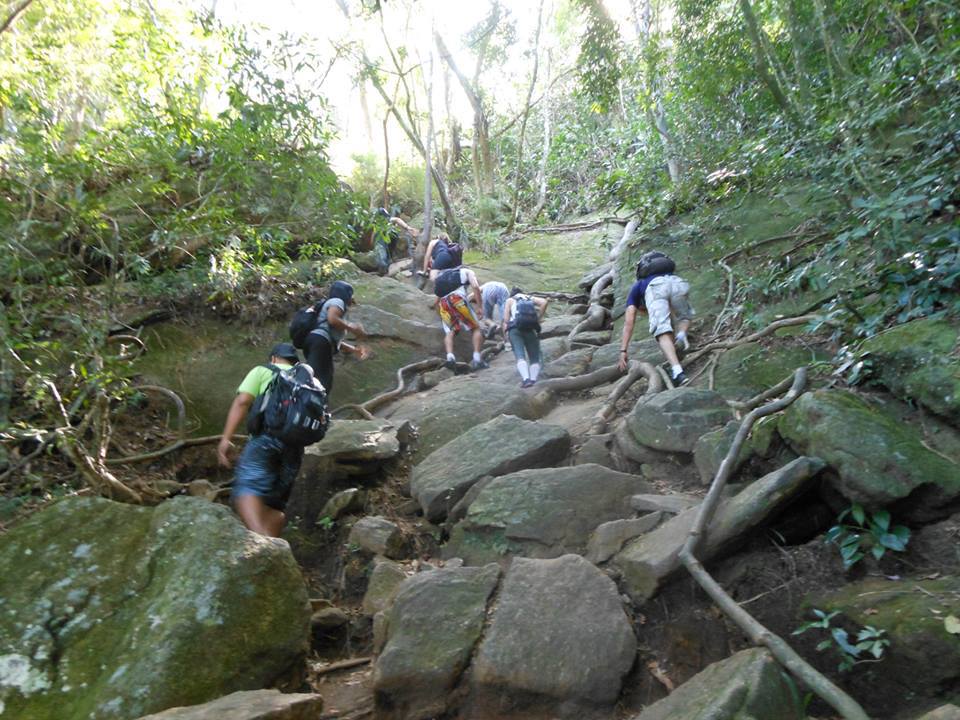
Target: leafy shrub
[869,646]
[864,533]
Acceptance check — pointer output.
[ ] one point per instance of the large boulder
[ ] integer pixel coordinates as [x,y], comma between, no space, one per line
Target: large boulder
[878,460]
[498,447]
[645,350]
[559,326]
[749,684]
[650,559]
[574,362]
[673,420]
[917,361]
[114,611]
[751,368]
[924,655]
[558,634]
[383,586]
[249,705]
[712,447]
[431,630]
[452,408]
[542,513]
[379,536]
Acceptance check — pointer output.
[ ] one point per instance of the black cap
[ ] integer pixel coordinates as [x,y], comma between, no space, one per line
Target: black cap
[343,290]
[286,351]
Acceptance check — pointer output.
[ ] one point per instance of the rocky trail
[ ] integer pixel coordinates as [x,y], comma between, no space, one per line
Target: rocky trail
[472,549]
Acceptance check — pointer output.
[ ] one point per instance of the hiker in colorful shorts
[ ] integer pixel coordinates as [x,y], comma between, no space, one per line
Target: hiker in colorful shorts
[494,295]
[521,322]
[267,467]
[663,296]
[453,305]
[326,339]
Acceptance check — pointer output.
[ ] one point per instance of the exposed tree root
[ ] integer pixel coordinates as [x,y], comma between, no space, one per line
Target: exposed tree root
[635,371]
[771,328]
[759,399]
[581,382]
[787,656]
[366,409]
[721,316]
[141,346]
[181,429]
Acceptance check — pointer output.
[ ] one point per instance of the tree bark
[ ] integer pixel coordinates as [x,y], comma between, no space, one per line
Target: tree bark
[763,67]
[545,148]
[482,161]
[427,182]
[386,164]
[515,211]
[798,42]
[23,5]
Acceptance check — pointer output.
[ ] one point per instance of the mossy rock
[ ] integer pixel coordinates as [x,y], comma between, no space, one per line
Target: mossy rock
[917,361]
[114,611]
[923,657]
[877,459]
[749,369]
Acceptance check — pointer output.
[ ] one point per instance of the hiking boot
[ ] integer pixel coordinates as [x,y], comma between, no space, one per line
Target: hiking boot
[478,365]
[450,365]
[680,379]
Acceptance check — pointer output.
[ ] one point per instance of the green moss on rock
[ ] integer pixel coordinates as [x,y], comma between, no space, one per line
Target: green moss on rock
[113,611]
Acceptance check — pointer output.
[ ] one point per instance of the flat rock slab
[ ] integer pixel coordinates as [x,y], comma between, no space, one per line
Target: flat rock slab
[607,540]
[749,684]
[672,504]
[379,536]
[383,586]
[431,630]
[498,447]
[643,350]
[673,420]
[574,362]
[114,611]
[558,633]
[354,441]
[649,560]
[559,326]
[249,705]
[456,406]
[877,459]
[541,513]
[593,337]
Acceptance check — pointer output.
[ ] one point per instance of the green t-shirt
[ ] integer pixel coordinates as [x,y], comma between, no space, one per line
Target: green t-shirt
[257,379]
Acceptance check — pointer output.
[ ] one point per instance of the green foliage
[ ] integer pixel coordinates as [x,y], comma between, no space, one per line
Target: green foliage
[869,645]
[858,532]
[598,65]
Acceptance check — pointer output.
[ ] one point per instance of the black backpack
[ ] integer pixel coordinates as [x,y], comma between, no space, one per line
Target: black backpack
[654,263]
[447,282]
[447,255]
[293,407]
[304,322]
[526,316]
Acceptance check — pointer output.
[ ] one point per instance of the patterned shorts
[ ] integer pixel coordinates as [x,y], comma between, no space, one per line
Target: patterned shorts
[455,312]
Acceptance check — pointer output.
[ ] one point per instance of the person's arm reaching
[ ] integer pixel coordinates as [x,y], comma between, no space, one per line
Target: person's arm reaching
[238,411]
[507,309]
[361,351]
[477,296]
[629,318]
[541,304]
[338,322]
[428,255]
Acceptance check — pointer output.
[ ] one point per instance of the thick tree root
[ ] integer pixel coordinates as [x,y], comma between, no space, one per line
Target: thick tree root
[769,329]
[635,371]
[787,656]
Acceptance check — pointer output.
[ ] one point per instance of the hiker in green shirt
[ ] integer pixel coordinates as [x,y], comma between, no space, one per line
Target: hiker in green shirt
[267,466]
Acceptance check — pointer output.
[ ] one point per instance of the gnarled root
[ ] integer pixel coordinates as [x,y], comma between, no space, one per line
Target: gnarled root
[635,371]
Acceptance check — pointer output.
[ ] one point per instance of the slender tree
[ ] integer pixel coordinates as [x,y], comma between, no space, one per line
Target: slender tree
[763,66]
[515,210]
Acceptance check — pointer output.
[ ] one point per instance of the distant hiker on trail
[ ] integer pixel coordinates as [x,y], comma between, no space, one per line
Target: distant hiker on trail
[451,287]
[442,254]
[286,409]
[494,295]
[521,320]
[663,296]
[321,336]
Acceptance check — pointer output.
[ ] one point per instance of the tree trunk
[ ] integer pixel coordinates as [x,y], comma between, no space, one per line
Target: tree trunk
[545,148]
[386,164]
[482,159]
[19,8]
[763,67]
[515,211]
[656,113]
[798,43]
[427,181]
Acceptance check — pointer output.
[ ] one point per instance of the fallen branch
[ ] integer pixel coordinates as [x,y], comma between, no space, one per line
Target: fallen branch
[787,656]
[726,304]
[341,665]
[635,371]
[757,400]
[771,328]
[181,440]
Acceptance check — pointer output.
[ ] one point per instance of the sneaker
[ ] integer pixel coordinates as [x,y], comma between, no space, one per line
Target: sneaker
[680,379]
[450,365]
[478,365]
[527,383]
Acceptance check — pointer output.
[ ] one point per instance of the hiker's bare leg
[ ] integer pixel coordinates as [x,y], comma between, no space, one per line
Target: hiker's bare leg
[477,340]
[259,517]
[669,350]
[448,343]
